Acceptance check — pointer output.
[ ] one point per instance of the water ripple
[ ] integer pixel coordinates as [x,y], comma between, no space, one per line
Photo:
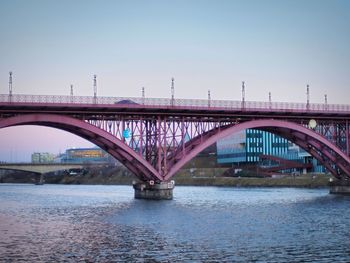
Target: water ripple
[67,224]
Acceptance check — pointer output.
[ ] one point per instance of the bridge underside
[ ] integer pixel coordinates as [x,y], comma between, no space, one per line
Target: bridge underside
[159,146]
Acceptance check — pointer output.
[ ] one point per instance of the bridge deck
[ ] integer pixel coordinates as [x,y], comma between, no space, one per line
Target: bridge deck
[179,107]
[44,167]
[154,138]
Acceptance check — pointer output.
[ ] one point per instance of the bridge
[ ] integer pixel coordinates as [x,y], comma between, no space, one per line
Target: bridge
[42,168]
[154,138]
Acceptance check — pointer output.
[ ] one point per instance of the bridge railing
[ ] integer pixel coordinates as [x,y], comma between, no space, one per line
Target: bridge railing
[165,102]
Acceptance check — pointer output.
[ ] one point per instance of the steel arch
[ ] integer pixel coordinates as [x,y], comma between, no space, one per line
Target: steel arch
[317,145]
[133,161]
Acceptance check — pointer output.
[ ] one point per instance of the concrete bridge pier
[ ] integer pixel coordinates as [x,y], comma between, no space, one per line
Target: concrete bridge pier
[339,187]
[41,180]
[154,191]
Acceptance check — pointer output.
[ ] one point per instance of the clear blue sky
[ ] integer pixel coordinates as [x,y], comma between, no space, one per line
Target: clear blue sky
[275,46]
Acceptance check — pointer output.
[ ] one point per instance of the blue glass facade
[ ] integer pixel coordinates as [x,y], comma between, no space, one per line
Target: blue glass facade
[261,142]
[232,149]
[248,145]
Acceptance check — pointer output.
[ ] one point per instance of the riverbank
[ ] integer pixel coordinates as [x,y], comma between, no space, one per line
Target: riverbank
[185,177]
[305,181]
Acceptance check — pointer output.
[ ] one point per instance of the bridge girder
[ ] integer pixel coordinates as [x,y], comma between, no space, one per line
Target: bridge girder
[38,168]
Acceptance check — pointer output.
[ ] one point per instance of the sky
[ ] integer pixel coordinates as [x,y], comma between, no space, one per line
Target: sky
[274,46]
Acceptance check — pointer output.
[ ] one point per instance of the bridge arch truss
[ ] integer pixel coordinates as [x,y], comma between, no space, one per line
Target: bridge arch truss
[156,146]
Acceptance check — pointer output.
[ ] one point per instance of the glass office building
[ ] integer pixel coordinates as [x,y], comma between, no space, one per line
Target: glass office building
[232,149]
[247,146]
[261,142]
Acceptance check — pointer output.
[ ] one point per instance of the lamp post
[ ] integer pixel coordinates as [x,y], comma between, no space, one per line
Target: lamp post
[243,94]
[10,86]
[95,89]
[172,92]
[307,97]
[209,98]
[71,93]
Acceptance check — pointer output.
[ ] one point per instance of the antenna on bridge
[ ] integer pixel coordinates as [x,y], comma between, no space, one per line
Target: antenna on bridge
[243,94]
[95,89]
[143,95]
[10,85]
[71,93]
[172,91]
[209,98]
[270,100]
[307,97]
[325,101]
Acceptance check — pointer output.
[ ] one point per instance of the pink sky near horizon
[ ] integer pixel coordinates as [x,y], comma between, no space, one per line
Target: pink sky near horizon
[18,143]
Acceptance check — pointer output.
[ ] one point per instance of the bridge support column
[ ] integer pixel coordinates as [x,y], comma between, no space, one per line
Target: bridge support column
[339,187]
[154,191]
[40,180]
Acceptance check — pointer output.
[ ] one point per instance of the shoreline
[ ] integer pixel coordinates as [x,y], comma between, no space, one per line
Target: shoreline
[255,182]
[302,182]
[202,177]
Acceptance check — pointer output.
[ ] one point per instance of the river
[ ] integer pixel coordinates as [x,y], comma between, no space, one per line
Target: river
[76,223]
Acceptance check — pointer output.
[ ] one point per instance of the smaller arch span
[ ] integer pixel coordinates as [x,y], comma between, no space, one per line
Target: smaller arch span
[106,141]
[317,145]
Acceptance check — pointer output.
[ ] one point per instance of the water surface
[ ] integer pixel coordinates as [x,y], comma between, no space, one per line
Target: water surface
[65,223]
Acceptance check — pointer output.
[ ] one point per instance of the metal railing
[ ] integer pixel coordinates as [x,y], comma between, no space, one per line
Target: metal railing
[164,102]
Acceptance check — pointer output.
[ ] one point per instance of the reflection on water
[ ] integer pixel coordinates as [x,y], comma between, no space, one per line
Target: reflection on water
[54,223]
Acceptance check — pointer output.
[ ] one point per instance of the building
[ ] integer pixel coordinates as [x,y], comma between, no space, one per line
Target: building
[232,149]
[261,142]
[85,155]
[43,157]
[247,146]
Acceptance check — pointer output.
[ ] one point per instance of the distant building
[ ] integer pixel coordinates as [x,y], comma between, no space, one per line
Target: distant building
[232,149]
[261,142]
[247,146]
[85,155]
[43,157]
[59,158]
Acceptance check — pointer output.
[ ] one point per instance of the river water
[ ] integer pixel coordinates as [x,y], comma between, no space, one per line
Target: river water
[66,223]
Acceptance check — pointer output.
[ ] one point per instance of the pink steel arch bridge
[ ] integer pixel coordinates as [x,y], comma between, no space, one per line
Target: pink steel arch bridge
[154,138]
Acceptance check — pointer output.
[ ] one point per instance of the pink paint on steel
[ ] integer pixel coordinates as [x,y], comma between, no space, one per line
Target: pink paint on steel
[159,133]
[92,133]
[305,143]
[233,128]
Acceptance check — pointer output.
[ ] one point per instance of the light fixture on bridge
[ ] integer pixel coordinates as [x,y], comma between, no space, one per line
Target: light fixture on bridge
[95,89]
[172,91]
[10,84]
[307,97]
[143,95]
[243,94]
[209,98]
[71,93]
[312,124]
